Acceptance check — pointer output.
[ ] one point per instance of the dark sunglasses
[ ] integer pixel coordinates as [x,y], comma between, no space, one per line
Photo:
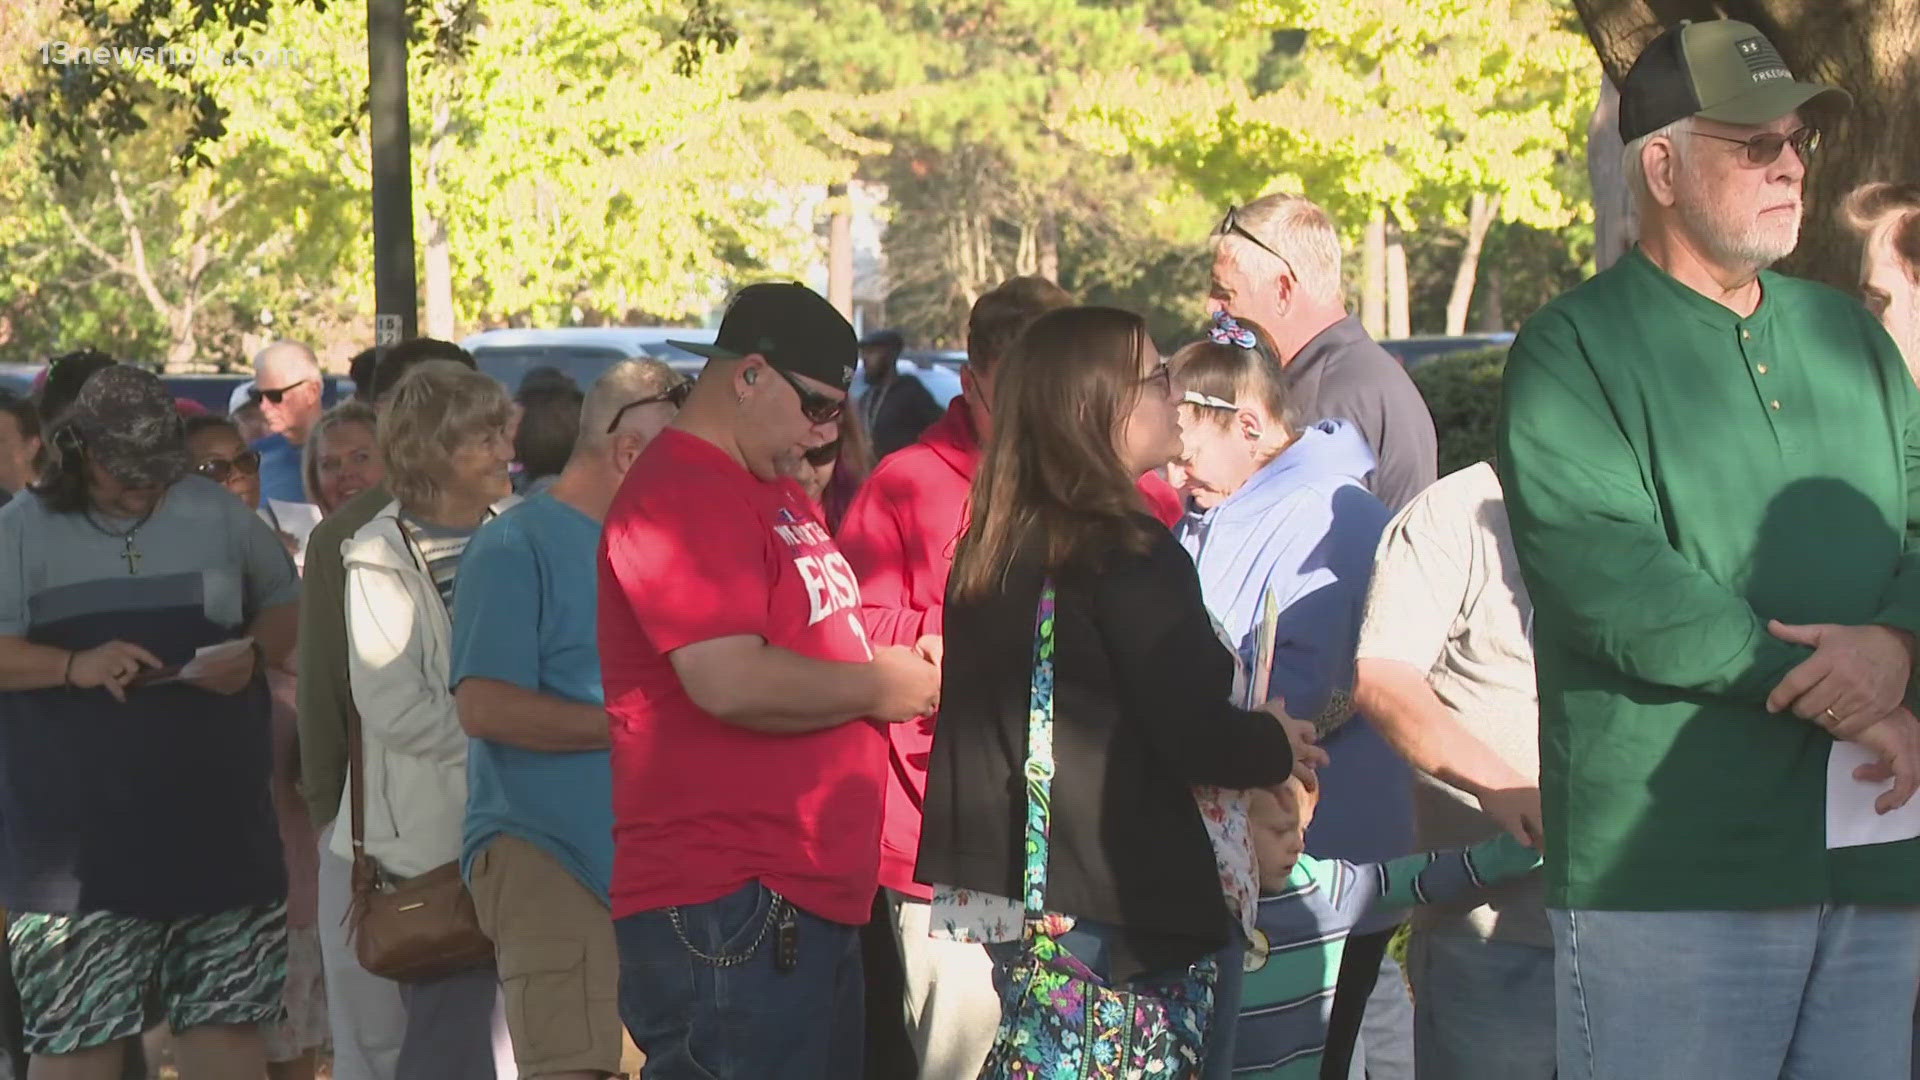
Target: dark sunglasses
[220,470]
[822,456]
[1764,148]
[276,395]
[1230,226]
[817,407]
[675,395]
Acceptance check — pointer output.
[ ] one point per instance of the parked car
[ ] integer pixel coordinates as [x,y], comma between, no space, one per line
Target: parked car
[937,369]
[582,352]
[18,378]
[1414,351]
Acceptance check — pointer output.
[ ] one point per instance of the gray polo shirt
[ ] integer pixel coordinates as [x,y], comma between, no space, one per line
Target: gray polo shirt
[1343,374]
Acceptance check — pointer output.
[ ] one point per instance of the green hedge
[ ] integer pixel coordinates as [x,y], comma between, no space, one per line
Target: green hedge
[1463,394]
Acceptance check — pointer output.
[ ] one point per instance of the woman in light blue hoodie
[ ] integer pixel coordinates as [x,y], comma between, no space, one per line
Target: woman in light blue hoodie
[1280,522]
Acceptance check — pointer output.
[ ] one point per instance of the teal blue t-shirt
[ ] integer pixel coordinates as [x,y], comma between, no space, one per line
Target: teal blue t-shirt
[526,614]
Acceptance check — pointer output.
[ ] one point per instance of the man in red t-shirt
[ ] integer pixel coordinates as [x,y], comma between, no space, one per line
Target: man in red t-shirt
[899,536]
[747,712]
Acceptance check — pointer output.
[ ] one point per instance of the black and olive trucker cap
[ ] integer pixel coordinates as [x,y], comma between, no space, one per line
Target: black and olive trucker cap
[1720,69]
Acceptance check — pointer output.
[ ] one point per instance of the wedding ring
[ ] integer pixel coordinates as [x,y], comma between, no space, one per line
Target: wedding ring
[1833,716]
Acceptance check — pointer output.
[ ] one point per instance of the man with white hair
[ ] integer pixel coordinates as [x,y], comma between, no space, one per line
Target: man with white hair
[1711,478]
[1276,263]
[538,844]
[289,387]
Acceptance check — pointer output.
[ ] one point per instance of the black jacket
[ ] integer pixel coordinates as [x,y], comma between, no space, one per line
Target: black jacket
[896,412]
[1141,715]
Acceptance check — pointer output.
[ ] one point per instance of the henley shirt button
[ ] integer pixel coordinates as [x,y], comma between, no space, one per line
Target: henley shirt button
[1774,405]
[1746,335]
[1762,369]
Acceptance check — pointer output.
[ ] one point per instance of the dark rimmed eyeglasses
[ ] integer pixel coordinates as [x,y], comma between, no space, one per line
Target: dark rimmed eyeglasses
[220,470]
[816,406]
[1764,148]
[1160,378]
[1230,226]
[675,395]
[277,394]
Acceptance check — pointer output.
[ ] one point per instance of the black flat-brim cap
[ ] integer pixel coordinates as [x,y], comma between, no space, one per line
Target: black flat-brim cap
[1721,69]
[795,328]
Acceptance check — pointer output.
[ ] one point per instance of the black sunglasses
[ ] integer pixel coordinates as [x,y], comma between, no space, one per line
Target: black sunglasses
[220,470]
[1230,226]
[817,407]
[675,395]
[1764,148]
[276,395]
[821,456]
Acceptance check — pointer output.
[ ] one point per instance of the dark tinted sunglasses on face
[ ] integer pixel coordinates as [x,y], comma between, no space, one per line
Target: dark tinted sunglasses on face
[220,470]
[817,407]
[1764,148]
[276,395]
[675,395]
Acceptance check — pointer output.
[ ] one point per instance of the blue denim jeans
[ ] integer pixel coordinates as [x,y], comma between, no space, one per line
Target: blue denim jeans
[1482,1010]
[1805,993]
[704,999]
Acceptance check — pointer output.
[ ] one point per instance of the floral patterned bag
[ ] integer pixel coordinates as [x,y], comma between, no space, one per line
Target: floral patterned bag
[1059,1020]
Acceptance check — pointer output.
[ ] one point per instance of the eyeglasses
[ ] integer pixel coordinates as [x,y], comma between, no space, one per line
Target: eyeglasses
[816,406]
[1230,226]
[276,395]
[1764,148]
[1207,401]
[675,395]
[821,456]
[1160,378]
[220,470]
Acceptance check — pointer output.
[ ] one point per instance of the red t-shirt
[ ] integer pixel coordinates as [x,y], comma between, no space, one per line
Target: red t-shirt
[696,548]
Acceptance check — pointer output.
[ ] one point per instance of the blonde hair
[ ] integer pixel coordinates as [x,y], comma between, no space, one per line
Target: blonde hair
[1300,231]
[347,412]
[1871,205]
[432,410]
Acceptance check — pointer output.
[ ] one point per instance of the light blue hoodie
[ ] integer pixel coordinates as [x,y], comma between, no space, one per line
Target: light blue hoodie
[1305,527]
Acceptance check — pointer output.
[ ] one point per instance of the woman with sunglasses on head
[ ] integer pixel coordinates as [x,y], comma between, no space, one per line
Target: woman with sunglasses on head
[1134,713]
[1283,531]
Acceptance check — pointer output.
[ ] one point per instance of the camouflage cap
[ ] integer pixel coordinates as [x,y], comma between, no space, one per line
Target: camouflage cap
[128,424]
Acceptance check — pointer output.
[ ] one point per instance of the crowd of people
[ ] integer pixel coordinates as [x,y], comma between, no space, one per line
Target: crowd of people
[734,727]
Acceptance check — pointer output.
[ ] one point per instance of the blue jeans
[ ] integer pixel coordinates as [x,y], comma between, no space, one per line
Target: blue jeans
[705,999]
[1090,943]
[1804,993]
[1482,1010]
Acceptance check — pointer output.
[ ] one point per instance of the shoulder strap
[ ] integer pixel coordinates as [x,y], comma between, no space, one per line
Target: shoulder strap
[356,781]
[1039,764]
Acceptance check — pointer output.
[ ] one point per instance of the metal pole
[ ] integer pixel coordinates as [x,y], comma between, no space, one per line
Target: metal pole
[395,295]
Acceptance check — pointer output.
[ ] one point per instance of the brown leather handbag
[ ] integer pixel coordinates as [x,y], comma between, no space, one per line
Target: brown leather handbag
[414,930]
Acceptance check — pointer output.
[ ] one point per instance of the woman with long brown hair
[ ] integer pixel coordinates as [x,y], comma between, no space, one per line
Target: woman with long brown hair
[1140,685]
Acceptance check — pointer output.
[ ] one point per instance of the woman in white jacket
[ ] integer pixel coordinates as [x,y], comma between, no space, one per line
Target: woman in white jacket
[443,436]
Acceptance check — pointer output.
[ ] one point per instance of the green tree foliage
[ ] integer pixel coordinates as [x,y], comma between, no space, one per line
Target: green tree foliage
[1463,394]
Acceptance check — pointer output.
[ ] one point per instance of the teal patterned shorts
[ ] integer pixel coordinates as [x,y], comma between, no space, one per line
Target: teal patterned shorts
[88,979]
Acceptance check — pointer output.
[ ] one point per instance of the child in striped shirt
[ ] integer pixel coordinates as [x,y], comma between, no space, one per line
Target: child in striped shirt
[1308,906]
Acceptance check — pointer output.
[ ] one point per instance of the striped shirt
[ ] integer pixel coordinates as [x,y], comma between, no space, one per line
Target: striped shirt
[1293,960]
[440,549]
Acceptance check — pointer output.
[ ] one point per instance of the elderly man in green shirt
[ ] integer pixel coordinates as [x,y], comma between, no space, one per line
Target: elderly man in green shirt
[1713,476]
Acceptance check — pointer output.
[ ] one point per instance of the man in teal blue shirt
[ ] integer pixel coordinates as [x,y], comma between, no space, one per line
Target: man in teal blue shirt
[538,845]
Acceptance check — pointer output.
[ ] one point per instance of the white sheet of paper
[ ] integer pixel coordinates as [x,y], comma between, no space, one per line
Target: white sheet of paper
[208,655]
[1851,819]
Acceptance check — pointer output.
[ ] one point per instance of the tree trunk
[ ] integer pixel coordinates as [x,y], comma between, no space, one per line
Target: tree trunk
[1399,319]
[1614,228]
[1373,269]
[840,250]
[439,267]
[1868,47]
[1493,315]
[1050,249]
[1482,209]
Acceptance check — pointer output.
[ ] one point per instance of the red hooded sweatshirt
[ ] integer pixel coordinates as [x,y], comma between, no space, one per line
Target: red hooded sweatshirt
[899,535]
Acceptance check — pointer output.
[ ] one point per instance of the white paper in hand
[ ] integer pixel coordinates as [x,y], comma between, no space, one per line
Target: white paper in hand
[1851,818]
[207,656]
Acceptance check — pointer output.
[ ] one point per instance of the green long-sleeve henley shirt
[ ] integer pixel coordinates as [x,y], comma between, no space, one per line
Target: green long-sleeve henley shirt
[1677,475]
